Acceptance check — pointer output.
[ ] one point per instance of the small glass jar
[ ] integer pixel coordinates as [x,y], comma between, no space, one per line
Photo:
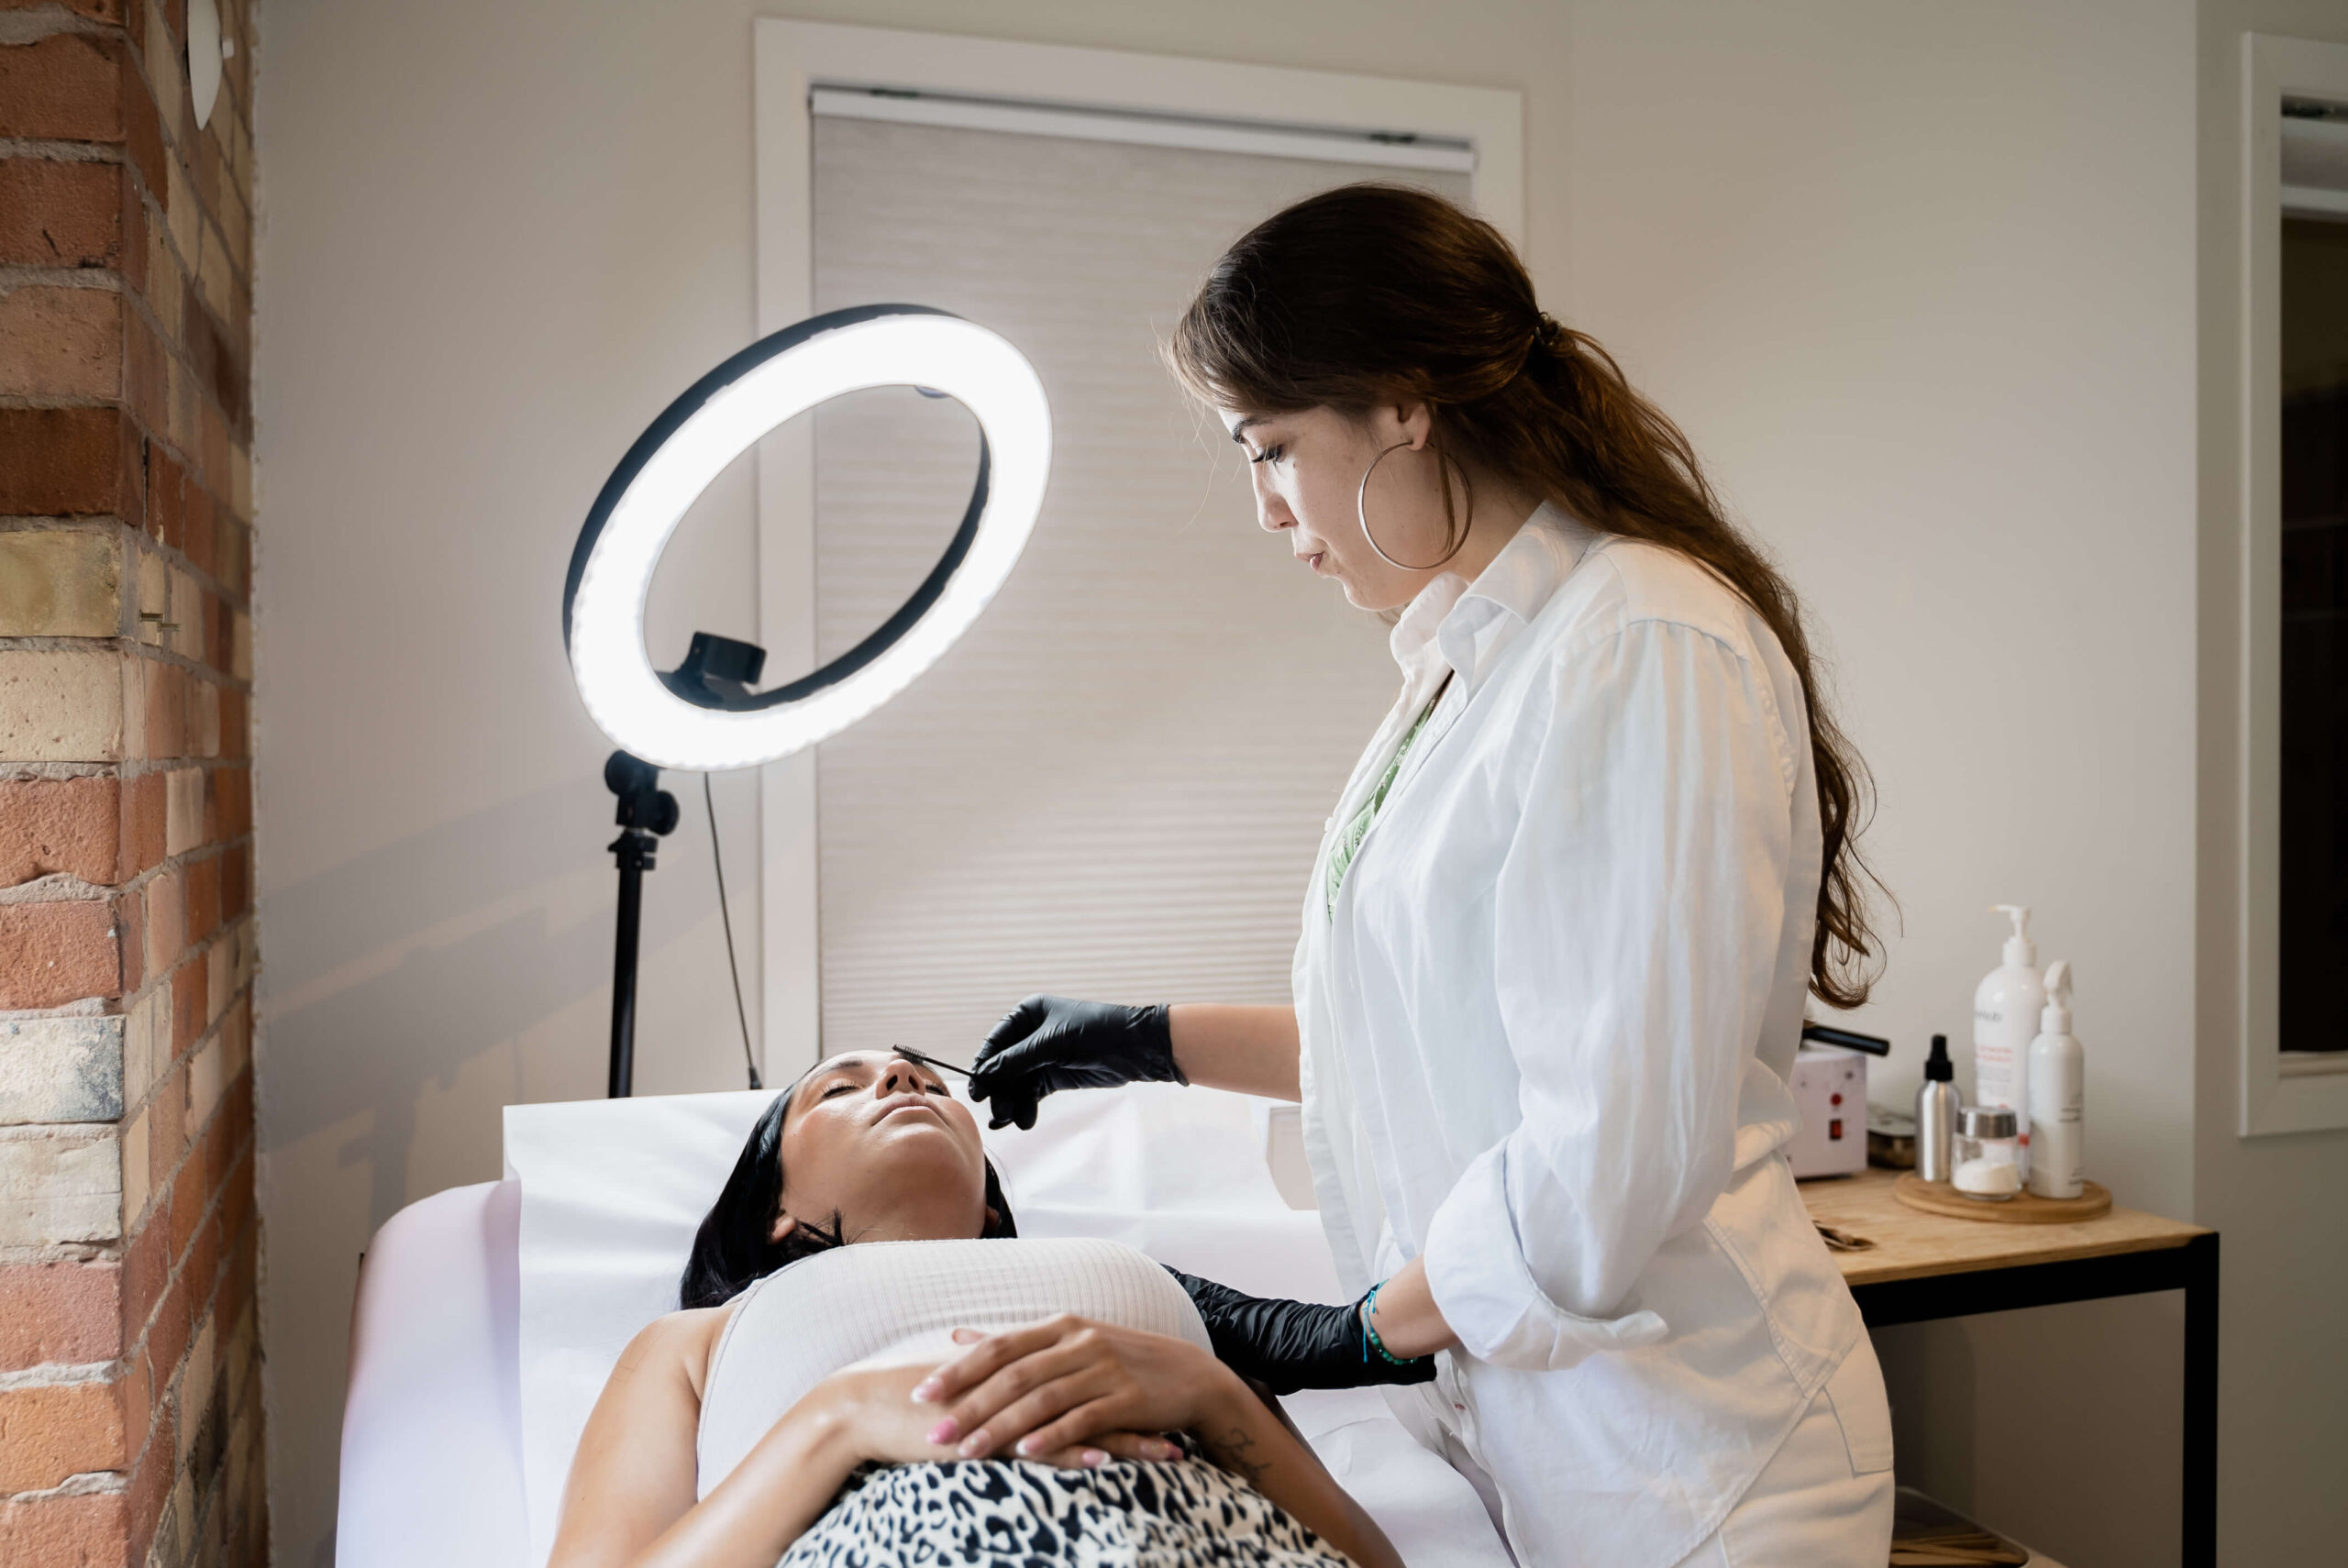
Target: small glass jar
[1989,1154]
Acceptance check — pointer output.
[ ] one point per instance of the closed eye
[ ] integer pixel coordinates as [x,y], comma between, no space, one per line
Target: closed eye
[1269,455]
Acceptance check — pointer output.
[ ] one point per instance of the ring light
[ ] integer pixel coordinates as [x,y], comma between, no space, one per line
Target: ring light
[690,725]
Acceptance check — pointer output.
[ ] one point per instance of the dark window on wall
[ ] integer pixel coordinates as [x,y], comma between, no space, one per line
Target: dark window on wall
[2314,978]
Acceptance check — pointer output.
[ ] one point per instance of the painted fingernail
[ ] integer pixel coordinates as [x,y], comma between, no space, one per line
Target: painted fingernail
[945,1431]
[974,1445]
[926,1390]
[1028,1445]
[1160,1449]
[1093,1458]
[968,1336]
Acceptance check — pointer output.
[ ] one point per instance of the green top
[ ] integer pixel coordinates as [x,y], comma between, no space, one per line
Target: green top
[1341,856]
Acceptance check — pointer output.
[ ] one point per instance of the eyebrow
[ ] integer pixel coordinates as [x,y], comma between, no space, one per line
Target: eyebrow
[1240,429]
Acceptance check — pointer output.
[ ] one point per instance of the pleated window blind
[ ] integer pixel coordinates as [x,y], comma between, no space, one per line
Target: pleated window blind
[1113,786]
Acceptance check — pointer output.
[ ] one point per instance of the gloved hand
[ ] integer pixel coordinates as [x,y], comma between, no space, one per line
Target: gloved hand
[1049,1043]
[1289,1345]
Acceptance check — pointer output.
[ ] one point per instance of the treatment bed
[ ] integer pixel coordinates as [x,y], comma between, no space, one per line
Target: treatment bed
[488,1316]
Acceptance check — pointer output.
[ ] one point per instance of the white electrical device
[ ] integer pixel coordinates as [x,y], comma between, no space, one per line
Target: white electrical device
[1830,1088]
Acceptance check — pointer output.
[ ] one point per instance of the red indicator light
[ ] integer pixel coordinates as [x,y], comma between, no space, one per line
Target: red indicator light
[1834,1128]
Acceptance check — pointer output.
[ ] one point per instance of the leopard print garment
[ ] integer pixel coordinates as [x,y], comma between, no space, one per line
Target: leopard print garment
[1182,1513]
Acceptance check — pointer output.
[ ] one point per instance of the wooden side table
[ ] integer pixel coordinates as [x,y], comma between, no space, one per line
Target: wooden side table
[1921,1266]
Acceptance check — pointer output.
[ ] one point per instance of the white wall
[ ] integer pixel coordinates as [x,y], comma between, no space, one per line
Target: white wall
[2283,1400]
[1918,280]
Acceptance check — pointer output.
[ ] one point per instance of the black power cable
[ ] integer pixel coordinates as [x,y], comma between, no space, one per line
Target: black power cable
[717,859]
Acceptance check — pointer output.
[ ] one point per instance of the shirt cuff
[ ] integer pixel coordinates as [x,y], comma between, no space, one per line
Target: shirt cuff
[1487,1294]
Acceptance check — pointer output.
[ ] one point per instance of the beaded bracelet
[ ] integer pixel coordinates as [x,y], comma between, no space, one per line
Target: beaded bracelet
[1370,1341]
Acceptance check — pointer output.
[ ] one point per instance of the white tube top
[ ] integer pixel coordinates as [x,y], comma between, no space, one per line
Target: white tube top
[894,1303]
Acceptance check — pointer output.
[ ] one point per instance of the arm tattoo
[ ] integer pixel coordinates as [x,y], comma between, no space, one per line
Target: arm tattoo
[1236,1453]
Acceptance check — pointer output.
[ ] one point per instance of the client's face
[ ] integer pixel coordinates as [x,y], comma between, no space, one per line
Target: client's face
[877,1140]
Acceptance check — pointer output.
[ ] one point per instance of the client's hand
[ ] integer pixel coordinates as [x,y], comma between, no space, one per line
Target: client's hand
[877,1421]
[1068,1381]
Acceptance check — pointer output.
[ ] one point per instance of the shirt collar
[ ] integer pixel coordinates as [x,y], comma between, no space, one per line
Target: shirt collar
[1465,624]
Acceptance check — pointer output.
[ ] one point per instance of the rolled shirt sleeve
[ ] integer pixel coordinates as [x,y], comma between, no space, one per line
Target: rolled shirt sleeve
[1638,914]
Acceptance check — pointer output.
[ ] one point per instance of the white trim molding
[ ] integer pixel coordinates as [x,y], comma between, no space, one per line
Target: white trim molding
[1022,87]
[2305,1091]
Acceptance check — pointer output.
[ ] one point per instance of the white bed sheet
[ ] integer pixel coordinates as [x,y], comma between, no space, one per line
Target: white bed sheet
[489,1316]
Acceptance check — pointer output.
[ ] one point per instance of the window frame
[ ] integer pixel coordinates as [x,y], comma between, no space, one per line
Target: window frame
[2308,1092]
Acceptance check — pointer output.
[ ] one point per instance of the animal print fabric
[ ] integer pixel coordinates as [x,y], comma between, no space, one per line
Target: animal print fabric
[1182,1513]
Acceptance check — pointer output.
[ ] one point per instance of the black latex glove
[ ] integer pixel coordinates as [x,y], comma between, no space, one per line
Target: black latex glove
[1049,1043]
[1289,1345]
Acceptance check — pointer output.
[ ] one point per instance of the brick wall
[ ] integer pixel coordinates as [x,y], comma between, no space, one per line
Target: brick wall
[130,1427]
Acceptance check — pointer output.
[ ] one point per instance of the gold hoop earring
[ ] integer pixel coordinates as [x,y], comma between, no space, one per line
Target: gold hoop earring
[1361,508]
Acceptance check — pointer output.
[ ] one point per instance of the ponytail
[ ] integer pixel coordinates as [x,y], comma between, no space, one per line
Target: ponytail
[1386,295]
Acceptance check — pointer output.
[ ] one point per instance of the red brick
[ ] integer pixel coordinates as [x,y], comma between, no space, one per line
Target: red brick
[236,880]
[189,984]
[137,1392]
[145,1269]
[166,710]
[65,1312]
[235,739]
[52,953]
[191,1194]
[232,547]
[70,463]
[49,1431]
[197,531]
[166,917]
[165,500]
[232,787]
[61,343]
[130,924]
[146,377]
[202,898]
[166,1141]
[168,1336]
[86,1531]
[55,214]
[81,87]
[204,1270]
[49,825]
[144,805]
[149,1490]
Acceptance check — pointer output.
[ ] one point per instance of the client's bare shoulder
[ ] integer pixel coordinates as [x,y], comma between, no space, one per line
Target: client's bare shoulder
[679,1346]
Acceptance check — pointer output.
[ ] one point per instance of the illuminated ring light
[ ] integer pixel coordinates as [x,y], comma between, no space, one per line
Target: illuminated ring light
[719,418]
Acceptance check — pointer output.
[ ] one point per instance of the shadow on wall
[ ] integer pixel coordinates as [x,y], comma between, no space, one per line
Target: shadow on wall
[390,974]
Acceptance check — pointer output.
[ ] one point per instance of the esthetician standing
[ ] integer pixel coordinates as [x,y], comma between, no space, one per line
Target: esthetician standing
[1558,938]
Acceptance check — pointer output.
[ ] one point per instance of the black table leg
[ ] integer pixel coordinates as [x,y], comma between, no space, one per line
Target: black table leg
[2201,1489]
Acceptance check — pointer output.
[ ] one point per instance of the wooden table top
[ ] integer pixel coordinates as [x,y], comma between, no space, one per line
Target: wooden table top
[1910,1244]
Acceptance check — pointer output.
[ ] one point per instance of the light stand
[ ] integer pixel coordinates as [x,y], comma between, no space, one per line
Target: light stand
[703,716]
[714,666]
[646,810]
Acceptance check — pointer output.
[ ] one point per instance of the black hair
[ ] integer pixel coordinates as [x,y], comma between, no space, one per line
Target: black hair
[735,1247]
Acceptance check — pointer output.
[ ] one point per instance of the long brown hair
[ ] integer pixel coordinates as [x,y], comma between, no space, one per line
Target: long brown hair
[1384,294]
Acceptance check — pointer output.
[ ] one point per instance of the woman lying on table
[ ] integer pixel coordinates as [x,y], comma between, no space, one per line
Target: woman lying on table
[860,1261]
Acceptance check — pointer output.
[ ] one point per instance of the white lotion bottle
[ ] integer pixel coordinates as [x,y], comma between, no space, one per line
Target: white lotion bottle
[2057,1073]
[2007,1006]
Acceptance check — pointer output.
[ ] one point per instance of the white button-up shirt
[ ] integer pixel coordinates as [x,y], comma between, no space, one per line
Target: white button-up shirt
[1547,1026]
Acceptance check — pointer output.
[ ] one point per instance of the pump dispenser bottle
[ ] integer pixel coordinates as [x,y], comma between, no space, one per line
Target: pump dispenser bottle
[1936,1106]
[2057,1092]
[2006,1008]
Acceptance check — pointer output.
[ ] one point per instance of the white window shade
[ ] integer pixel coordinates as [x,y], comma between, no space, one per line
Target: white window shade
[1113,786]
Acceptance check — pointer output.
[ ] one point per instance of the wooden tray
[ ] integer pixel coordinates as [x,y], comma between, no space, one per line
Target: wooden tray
[2024,1208]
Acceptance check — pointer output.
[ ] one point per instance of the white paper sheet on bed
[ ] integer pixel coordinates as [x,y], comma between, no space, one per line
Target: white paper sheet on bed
[612,1191]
